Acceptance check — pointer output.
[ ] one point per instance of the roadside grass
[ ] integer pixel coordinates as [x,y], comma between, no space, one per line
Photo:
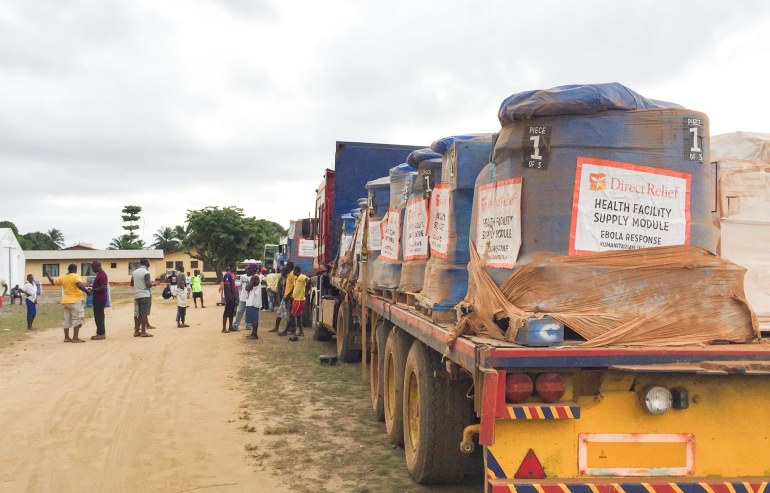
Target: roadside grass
[13,318]
[315,422]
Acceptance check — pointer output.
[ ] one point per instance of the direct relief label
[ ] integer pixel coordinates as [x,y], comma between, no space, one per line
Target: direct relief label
[306,248]
[374,242]
[416,230]
[622,206]
[498,222]
[390,232]
[438,230]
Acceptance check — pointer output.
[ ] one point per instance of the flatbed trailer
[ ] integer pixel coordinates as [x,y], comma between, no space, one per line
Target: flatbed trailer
[597,437]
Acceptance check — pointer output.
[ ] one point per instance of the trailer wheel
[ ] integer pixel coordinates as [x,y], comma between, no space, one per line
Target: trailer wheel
[376,367]
[435,413]
[344,335]
[396,350]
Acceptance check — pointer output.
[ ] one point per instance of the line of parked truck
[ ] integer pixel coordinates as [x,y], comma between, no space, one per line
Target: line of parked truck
[546,303]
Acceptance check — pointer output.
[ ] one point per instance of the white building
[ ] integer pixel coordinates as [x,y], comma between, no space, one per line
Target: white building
[11,259]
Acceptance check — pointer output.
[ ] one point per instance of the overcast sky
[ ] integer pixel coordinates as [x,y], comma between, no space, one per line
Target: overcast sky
[181,104]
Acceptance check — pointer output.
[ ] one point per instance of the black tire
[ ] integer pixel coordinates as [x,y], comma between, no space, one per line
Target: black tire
[394,361]
[381,330]
[435,413]
[344,336]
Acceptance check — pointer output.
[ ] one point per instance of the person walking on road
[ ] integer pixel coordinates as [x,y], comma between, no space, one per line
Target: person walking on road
[298,299]
[99,289]
[254,299]
[142,284]
[230,295]
[30,289]
[182,290]
[71,301]
[196,283]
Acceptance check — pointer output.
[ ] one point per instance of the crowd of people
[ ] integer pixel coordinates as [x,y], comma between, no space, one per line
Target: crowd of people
[243,297]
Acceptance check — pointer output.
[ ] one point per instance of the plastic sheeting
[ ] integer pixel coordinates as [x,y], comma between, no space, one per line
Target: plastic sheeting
[446,275]
[442,145]
[573,183]
[743,162]
[415,239]
[585,99]
[416,157]
[386,269]
[667,296]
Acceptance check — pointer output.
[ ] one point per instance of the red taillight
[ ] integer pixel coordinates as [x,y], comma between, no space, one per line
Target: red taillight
[518,387]
[550,386]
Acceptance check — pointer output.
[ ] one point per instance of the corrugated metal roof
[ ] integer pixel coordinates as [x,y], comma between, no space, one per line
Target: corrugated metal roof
[92,254]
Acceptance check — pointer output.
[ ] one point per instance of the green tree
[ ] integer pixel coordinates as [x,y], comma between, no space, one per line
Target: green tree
[166,239]
[56,239]
[181,232]
[125,242]
[131,217]
[219,236]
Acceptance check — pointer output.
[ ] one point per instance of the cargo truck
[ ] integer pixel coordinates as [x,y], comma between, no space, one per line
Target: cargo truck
[355,164]
[543,406]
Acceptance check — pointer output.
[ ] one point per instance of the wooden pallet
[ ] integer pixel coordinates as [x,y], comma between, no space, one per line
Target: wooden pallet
[437,316]
[386,294]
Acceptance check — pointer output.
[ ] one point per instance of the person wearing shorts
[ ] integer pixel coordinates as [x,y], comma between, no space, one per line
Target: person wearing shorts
[298,299]
[71,301]
[230,294]
[197,288]
[142,284]
[181,300]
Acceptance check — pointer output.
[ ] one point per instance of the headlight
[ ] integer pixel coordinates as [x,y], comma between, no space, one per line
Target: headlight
[656,400]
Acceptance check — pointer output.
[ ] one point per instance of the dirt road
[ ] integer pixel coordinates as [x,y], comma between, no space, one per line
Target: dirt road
[127,414]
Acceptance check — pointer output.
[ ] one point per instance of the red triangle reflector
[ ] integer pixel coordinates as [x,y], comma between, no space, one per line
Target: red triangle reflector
[530,468]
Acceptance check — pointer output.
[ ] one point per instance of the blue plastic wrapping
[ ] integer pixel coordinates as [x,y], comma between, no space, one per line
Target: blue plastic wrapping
[442,145]
[446,275]
[588,177]
[576,99]
[416,157]
[414,234]
[386,269]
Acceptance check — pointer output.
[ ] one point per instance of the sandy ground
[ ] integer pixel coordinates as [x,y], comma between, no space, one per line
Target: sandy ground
[127,414]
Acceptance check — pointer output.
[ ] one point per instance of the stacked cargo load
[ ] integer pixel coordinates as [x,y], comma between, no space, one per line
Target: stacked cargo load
[386,269]
[743,164]
[344,261]
[416,250]
[377,202]
[446,274]
[595,214]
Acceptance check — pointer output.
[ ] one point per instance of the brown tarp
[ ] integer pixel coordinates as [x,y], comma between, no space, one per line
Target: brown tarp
[667,296]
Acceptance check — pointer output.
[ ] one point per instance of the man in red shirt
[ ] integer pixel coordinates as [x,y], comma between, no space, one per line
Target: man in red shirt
[100,299]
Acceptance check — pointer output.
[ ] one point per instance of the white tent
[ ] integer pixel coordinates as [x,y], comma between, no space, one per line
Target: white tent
[11,259]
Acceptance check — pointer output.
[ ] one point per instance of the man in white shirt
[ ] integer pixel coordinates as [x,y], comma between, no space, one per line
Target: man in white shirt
[254,300]
[30,290]
[241,283]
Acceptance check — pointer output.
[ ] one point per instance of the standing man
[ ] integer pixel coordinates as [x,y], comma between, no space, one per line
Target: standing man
[281,313]
[272,280]
[71,301]
[142,284]
[243,295]
[298,296]
[287,299]
[30,290]
[230,295]
[197,287]
[254,299]
[182,290]
[263,276]
[99,288]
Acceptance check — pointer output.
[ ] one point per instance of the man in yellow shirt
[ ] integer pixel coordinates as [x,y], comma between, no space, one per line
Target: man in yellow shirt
[298,296]
[287,299]
[71,301]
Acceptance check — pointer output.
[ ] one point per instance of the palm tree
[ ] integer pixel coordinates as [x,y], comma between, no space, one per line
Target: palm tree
[57,238]
[181,232]
[166,239]
[125,242]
